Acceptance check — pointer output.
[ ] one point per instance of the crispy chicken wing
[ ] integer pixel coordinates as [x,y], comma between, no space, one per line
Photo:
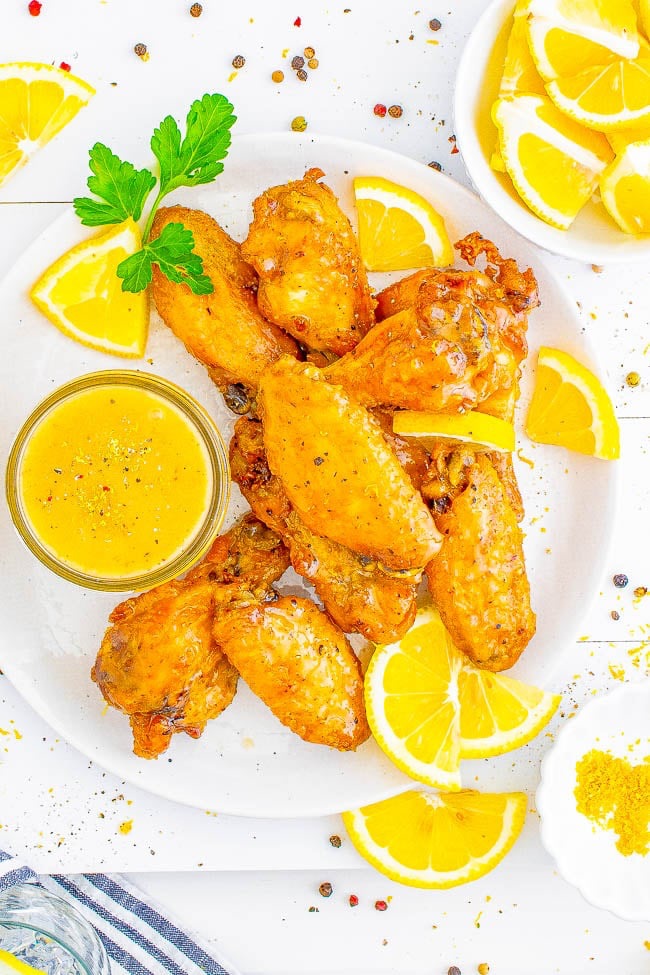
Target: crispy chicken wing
[359,595]
[225,330]
[301,665]
[338,471]
[159,662]
[312,280]
[478,579]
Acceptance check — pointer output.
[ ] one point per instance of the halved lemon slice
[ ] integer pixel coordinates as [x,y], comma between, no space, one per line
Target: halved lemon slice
[36,101]
[9,965]
[568,36]
[570,408]
[398,229]
[428,706]
[625,188]
[553,162]
[82,295]
[608,96]
[480,429]
[437,841]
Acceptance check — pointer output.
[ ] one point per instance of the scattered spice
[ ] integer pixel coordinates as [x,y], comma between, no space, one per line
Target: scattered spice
[313,910]
[34,7]
[297,22]
[615,615]
[396,111]
[435,165]
[313,63]
[335,841]
[278,77]
[483,968]
[620,580]
[381,906]
[299,123]
[380,110]
[297,62]
[435,24]
[238,61]
[641,591]
[616,795]
[354,900]
[196,9]
[126,826]
[454,970]
[633,379]
[65,66]
[309,52]
[141,50]
[302,75]
[325,890]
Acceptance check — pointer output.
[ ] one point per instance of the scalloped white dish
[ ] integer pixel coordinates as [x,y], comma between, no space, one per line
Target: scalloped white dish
[586,855]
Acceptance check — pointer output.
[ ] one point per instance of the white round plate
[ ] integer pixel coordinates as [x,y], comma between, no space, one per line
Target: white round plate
[594,237]
[247,763]
[585,854]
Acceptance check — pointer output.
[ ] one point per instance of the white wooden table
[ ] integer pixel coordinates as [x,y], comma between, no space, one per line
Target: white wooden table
[247,883]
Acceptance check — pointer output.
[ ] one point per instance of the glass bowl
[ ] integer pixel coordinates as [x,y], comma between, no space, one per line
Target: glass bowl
[217,468]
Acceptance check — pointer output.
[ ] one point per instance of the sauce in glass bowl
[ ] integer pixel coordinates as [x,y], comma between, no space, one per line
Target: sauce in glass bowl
[118,481]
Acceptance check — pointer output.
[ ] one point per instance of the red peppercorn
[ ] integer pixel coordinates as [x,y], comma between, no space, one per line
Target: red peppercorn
[297,22]
[381,906]
[380,110]
[354,900]
[64,66]
[34,7]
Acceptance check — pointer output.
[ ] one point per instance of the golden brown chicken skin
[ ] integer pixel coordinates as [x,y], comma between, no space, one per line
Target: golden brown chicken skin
[339,473]
[478,579]
[159,662]
[357,593]
[312,281]
[224,330]
[301,665]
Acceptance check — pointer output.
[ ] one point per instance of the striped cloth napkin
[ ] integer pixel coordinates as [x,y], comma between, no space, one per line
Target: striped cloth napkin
[138,938]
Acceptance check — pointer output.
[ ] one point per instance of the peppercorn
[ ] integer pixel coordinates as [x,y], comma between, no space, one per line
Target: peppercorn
[65,66]
[615,615]
[302,75]
[238,61]
[196,9]
[633,379]
[620,580]
[641,591]
[297,62]
[325,890]
[309,52]
[454,970]
[278,77]
[435,165]
[314,910]
[379,110]
[335,841]
[140,50]
[381,906]
[435,24]
[299,123]
[354,900]
[313,63]
[395,111]
[483,968]
[34,7]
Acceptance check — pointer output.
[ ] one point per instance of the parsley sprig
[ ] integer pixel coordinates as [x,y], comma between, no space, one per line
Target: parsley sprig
[122,191]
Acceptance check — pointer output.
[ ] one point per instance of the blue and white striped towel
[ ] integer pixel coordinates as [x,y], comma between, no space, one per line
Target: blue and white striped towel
[139,939]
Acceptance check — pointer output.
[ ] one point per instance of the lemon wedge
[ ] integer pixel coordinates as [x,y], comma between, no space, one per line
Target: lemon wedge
[480,429]
[608,96]
[437,841]
[9,965]
[622,138]
[644,17]
[570,408]
[625,188]
[36,102]
[520,74]
[553,162]
[82,295]
[569,36]
[428,706]
[398,229]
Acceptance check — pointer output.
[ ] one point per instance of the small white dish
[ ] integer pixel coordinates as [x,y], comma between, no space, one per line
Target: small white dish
[594,237]
[585,854]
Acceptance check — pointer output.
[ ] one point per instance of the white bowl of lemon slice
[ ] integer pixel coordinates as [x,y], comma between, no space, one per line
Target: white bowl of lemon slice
[552,116]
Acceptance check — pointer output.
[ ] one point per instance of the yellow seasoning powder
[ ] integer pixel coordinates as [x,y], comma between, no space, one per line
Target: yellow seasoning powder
[616,795]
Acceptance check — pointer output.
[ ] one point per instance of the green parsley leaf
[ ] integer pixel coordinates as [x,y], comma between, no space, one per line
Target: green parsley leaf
[121,187]
[173,252]
[197,159]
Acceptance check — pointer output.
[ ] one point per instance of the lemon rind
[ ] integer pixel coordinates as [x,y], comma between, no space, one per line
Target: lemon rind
[503,742]
[623,165]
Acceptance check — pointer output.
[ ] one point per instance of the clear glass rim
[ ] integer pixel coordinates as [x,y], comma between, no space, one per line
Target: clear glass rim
[19,925]
[210,437]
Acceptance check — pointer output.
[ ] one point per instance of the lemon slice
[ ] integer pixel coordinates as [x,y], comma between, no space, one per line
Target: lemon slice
[570,408]
[553,162]
[625,188]
[437,841]
[608,96]
[568,36]
[428,706]
[398,229]
[644,17]
[622,138]
[473,427]
[9,965]
[520,74]
[82,295]
[36,101]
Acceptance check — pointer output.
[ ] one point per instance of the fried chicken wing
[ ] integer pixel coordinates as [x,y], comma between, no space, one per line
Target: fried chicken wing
[312,281]
[339,473]
[301,665]
[159,662]
[478,579]
[358,595]
[224,330]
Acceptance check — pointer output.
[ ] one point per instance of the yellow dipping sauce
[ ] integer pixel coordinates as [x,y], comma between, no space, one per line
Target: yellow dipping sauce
[115,481]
